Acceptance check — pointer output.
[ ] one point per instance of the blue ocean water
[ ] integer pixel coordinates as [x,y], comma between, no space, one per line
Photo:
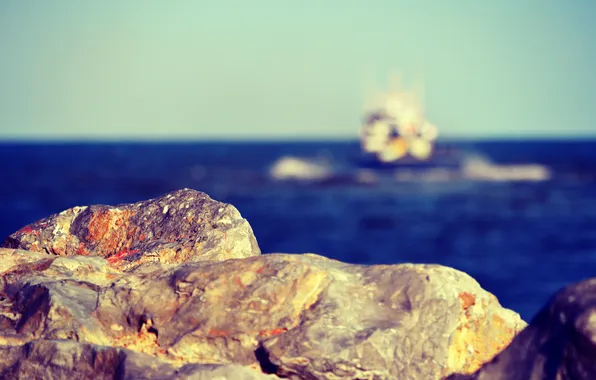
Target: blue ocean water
[522,239]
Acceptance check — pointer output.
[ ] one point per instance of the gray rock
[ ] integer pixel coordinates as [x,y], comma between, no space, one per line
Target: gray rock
[220,372]
[296,316]
[69,360]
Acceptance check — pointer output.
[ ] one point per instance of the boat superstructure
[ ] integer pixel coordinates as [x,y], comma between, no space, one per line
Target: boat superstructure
[395,129]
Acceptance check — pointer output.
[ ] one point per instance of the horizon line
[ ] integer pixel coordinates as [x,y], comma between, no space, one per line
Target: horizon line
[277,139]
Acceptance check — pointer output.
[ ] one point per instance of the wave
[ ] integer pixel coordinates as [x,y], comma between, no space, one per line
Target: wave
[474,167]
[480,168]
[289,167]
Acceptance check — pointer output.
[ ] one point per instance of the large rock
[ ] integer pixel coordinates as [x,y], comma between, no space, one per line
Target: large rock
[62,359]
[184,225]
[559,344]
[296,316]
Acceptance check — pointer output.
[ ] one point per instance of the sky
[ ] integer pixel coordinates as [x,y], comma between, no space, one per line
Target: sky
[232,69]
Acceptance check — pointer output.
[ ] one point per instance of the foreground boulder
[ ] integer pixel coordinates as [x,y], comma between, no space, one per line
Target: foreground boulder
[293,316]
[63,359]
[184,225]
[560,343]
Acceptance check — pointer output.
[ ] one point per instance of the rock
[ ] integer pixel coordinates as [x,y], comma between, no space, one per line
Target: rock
[220,372]
[54,359]
[387,322]
[295,316]
[559,343]
[184,225]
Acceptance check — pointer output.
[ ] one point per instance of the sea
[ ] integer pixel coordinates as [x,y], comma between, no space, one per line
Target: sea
[518,216]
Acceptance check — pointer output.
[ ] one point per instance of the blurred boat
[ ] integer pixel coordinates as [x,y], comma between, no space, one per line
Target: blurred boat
[396,134]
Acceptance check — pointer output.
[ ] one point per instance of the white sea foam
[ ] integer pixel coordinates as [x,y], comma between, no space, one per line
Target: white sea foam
[479,168]
[289,167]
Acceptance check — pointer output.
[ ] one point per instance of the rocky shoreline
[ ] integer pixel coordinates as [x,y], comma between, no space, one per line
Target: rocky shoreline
[176,287]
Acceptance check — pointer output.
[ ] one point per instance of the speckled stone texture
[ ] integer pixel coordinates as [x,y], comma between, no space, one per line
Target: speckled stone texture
[295,316]
[68,360]
[176,288]
[184,225]
[559,344]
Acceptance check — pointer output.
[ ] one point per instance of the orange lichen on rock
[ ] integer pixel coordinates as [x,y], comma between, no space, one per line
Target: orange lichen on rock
[467,300]
[27,230]
[121,255]
[272,332]
[82,251]
[98,225]
[238,282]
[109,229]
[480,335]
[218,333]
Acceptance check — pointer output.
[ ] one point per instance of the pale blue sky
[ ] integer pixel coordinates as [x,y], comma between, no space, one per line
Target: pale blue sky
[261,68]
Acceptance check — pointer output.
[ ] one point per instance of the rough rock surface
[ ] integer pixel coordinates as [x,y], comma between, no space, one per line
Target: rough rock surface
[296,316]
[559,344]
[184,225]
[63,359]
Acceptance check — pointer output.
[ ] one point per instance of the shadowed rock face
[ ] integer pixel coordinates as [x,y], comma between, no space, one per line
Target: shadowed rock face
[54,359]
[297,316]
[184,225]
[559,344]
